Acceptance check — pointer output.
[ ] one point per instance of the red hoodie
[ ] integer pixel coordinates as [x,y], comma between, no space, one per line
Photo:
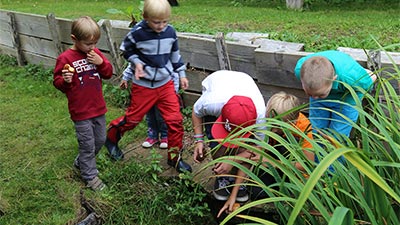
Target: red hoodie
[84,93]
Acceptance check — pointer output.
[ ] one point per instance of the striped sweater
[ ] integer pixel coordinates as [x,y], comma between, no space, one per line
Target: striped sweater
[158,52]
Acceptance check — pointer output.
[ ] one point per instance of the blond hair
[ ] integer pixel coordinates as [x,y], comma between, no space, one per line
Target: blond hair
[317,72]
[85,29]
[159,9]
[282,102]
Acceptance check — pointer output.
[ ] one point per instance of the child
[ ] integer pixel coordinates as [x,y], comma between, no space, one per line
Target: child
[229,99]
[83,87]
[151,47]
[156,127]
[323,76]
[278,104]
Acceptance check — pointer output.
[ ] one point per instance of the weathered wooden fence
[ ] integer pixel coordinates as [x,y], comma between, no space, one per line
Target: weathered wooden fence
[40,39]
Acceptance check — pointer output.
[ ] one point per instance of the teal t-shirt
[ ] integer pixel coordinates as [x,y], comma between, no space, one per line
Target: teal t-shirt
[348,71]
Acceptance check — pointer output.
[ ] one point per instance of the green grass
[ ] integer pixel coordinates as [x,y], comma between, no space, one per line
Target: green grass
[320,26]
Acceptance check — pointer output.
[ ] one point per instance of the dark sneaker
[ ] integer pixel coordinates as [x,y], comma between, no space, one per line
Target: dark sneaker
[113,150]
[180,165]
[76,164]
[75,167]
[222,188]
[242,195]
[95,184]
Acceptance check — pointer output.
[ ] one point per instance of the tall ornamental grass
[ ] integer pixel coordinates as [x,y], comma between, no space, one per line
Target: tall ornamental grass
[363,190]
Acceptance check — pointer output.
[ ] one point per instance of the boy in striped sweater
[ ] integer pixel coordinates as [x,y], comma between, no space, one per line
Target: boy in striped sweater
[151,47]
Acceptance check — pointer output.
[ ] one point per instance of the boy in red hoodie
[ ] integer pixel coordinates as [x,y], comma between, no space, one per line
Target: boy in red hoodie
[78,73]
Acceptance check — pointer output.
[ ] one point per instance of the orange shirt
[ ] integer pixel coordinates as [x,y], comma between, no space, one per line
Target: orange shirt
[304,125]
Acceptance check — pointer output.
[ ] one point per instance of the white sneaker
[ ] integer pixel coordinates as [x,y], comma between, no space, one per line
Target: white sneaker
[164,143]
[149,142]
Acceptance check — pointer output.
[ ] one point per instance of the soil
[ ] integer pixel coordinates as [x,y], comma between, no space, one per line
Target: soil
[201,175]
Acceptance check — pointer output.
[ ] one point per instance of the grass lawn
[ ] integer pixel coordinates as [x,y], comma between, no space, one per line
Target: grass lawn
[321,26]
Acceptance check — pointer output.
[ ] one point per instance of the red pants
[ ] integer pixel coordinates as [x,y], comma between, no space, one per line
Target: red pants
[167,101]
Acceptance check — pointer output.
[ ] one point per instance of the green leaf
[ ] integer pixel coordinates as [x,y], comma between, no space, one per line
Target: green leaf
[342,216]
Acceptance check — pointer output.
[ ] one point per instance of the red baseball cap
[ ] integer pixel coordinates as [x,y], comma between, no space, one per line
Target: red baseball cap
[239,111]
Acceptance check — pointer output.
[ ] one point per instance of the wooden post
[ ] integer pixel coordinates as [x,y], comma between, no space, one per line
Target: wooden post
[295,4]
[222,52]
[54,32]
[16,42]
[112,46]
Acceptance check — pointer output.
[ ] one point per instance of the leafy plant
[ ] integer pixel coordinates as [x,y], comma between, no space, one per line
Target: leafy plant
[154,168]
[133,14]
[115,96]
[363,190]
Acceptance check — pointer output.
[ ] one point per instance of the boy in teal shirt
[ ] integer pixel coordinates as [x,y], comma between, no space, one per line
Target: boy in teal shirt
[323,76]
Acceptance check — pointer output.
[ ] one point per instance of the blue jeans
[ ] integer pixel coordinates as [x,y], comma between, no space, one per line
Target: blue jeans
[332,115]
[156,127]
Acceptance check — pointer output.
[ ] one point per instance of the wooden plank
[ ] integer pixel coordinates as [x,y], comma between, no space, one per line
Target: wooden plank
[53,27]
[277,68]
[119,29]
[7,50]
[32,25]
[222,52]
[6,38]
[115,57]
[6,34]
[387,58]
[36,59]
[195,78]
[388,62]
[38,46]
[190,98]
[199,52]
[242,57]
[261,40]
[17,44]
[64,27]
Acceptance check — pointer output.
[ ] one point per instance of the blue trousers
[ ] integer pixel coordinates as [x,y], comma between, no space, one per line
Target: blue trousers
[332,116]
[156,127]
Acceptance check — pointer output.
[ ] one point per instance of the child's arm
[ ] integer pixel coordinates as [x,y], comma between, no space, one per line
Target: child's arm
[225,168]
[197,123]
[228,206]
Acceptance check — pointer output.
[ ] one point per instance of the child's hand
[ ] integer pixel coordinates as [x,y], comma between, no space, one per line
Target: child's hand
[184,83]
[198,155]
[139,71]
[94,58]
[67,73]
[222,168]
[124,84]
[229,206]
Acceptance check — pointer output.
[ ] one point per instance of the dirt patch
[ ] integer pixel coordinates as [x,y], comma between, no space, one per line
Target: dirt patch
[202,175]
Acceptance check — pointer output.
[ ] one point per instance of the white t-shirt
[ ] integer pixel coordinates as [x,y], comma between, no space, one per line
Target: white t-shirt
[220,86]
